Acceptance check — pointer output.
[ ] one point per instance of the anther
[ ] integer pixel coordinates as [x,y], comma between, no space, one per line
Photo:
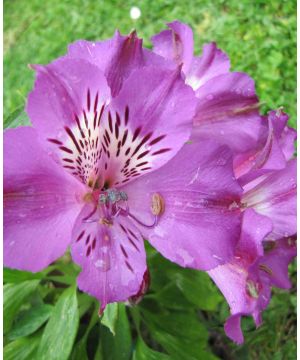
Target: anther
[266,269]
[157,204]
[252,289]
[104,221]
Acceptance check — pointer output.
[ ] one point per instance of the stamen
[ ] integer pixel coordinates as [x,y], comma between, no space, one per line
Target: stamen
[157,205]
[88,221]
[104,221]
[266,269]
[141,223]
[252,289]
[110,201]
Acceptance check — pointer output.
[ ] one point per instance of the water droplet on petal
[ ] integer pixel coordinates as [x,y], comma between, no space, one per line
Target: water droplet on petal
[234,205]
[209,97]
[221,161]
[102,265]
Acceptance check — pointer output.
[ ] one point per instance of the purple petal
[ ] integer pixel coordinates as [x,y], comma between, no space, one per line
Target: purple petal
[41,203]
[115,57]
[274,264]
[112,257]
[227,112]
[149,121]
[238,281]
[285,135]
[176,44]
[275,197]
[201,222]
[266,157]
[213,62]
[66,107]
[233,329]
[287,142]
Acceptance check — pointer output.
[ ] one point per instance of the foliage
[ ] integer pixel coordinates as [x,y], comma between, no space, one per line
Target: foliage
[182,314]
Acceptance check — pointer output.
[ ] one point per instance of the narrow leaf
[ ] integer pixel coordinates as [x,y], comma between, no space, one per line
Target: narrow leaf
[60,332]
[17,276]
[30,321]
[117,347]
[143,352]
[17,118]
[14,296]
[21,349]
[110,317]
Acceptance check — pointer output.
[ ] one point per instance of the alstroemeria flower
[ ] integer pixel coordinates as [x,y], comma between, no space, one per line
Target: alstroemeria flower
[258,265]
[227,106]
[274,196]
[267,243]
[104,166]
[274,148]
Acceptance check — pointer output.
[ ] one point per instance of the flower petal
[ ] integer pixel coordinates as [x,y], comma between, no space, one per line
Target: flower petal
[213,62]
[148,123]
[227,112]
[115,57]
[267,156]
[233,328]
[41,203]
[66,107]
[200,225]
[276,261]
[284,133]
[241,288]
[176,44]
[112,257]
[275,197]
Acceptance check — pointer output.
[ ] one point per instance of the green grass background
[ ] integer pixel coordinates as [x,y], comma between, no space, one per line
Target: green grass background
[260,38]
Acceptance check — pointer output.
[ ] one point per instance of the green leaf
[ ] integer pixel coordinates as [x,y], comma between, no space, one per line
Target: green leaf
[170,296]
[30,321]
[197,287]
[14,296]
[84,303]
[180,333]
[143,352]
[21,349]
[180,348]
[17,118]
[117,347]
[79,351]
[16,276]
[61,329]
[178,323]
[110,317]
[177,288]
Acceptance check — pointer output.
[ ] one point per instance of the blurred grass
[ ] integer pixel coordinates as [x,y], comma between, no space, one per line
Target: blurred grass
[259,37]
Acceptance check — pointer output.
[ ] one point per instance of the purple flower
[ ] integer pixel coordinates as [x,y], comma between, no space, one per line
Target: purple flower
[267,243]
[263,148]
[258,265]
[227,106]
[105,166]
[275,146]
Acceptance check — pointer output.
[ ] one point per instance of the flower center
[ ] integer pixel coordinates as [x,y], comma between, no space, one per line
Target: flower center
[114,203]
